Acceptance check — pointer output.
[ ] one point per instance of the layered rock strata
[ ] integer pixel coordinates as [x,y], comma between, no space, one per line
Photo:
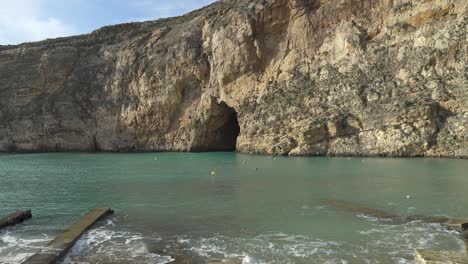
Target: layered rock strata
[280,77]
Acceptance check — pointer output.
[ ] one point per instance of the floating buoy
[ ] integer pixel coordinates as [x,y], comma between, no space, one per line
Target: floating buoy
[155,158]
[274,158]
[408,196]
[244,162]
[213,173]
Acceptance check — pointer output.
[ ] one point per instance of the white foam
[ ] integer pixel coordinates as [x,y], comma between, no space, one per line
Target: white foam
[372,219]
[265,248]
[385,242]
[107,244]
[15,248]
[397,242]
[110,246]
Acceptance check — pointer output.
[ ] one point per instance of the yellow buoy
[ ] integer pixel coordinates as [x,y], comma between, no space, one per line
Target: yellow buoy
[213,173]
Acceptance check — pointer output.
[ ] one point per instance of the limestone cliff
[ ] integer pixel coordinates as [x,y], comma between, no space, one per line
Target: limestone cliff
[286,77]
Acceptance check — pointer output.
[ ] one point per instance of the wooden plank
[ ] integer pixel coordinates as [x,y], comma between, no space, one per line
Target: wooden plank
[15,218]
[440,257]
[57,249]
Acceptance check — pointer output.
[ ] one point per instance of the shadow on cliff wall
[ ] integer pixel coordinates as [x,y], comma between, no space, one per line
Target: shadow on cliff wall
[220,130]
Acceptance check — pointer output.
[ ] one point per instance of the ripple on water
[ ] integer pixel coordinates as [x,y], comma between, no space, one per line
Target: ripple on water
[99,245]
[388,243]
[105,245]
[266,248]
[16,247]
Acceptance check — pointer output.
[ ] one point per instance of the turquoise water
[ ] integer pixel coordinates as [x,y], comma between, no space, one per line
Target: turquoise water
[254,209]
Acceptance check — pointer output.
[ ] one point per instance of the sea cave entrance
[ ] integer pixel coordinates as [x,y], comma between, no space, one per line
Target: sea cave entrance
[220,130]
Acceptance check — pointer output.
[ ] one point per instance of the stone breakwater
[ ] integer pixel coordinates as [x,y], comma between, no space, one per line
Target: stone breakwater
[280,77]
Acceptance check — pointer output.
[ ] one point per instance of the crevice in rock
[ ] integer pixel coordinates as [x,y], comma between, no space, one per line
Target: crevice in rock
[220,130]
[95,145]
[439,116]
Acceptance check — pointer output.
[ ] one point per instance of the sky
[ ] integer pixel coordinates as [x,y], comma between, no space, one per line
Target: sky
[34,20]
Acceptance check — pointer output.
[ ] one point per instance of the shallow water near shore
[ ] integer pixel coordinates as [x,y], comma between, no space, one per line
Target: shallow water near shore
[269,210]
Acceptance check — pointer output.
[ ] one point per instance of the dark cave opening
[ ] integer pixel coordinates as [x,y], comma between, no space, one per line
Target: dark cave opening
[230,130]
[220,131]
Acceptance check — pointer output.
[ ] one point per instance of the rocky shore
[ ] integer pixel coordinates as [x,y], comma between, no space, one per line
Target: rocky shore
[279,77]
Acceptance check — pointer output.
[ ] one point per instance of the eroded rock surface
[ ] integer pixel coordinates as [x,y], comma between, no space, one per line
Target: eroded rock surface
[285,77]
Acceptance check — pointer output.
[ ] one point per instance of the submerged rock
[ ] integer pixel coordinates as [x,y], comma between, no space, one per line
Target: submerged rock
[440,257]
[281,77]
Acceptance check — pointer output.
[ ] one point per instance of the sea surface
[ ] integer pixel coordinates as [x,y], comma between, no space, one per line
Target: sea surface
[217,206]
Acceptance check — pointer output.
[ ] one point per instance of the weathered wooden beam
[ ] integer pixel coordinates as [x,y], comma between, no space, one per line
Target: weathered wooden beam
[15,218]
[440,257]
[57,249]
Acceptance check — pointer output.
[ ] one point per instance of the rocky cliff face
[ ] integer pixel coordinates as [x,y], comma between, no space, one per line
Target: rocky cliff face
[286,77]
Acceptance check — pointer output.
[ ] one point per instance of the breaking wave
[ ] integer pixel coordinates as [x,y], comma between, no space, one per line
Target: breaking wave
[16,248]
[380,243]
[105,245]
